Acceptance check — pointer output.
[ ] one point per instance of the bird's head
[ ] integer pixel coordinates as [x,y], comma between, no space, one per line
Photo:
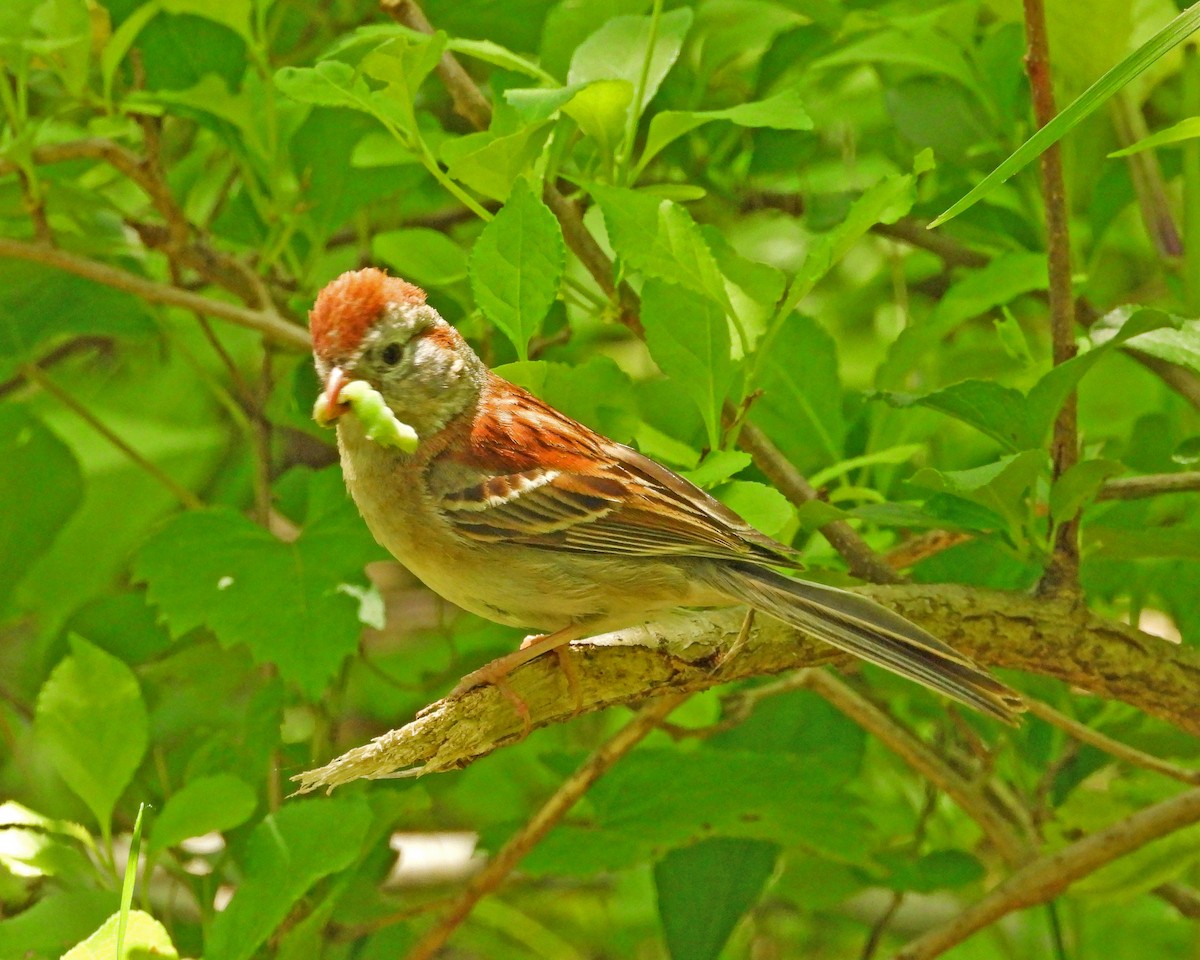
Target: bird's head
[369,326]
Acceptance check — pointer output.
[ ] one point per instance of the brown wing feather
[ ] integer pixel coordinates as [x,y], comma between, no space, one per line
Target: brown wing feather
[534,476]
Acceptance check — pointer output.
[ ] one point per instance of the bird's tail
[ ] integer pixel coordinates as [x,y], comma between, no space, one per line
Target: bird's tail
[864,628]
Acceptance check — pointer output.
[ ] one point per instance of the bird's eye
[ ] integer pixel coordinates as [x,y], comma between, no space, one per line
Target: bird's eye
[391,354]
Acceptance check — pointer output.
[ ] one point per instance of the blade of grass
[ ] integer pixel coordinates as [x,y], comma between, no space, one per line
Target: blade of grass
[1169,37]
[131,865]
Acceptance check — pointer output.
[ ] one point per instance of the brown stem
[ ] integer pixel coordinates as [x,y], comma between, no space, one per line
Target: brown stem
[266,322]
[550,813]
[1047,877]
[864,562]
[1063,572]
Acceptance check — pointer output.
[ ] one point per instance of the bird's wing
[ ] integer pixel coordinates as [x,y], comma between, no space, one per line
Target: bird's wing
[530,475]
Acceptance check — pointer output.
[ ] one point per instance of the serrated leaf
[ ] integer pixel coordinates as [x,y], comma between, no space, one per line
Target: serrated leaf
[1180,345]
[42,475]
[491,164]
[498,56]
[427,257]
[92,723]
[516,266]
[1001,487]
[705,889]
[1079,486]
[286,854]
[281,600]
[403,63]
[689,339]
[660,239]
[220,802]
[144,937]
[781,111]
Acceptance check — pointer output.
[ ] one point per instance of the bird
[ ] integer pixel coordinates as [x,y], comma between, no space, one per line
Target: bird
[513,511]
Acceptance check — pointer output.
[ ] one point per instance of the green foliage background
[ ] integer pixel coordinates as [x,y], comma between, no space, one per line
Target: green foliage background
[191,610]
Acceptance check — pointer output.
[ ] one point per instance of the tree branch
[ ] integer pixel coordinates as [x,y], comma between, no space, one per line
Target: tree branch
[266,322]
[1047,877]
[1150,485]
[550,813]
[1046,636]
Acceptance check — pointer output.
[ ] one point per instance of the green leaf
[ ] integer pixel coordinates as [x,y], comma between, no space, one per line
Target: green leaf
[219,802]
[660,239]
[999,412]
[491,164]
[936,870]
[1121,325]
[885,202]
[1000,487]
[1078,487]
[1184,130]
[427,257]
[801,403]
[534,104]
[403,63]
[498,56]
[1007,277]
[517,265]
[689,340]
[41,474]
[40,306]
[1178,343]
[781,111]
[600,109]
[286,854]
[91,707]
[704,889]
[761,506]
[718,466]
[129,881]
[144,937]
[55,923]
[284,601]
[1165,40]
[900,453]
[619,50]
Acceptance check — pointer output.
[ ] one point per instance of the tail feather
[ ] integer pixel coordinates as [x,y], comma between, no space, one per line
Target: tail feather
[862,627]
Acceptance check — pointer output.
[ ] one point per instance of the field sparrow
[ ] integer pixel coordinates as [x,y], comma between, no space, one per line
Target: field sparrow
[515,512]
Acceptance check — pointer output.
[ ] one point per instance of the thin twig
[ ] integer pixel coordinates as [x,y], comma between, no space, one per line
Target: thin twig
[1062,574]
[1150,485]
[1115,748]
[55,356]
[1048,876]
[550,813]
[266,322]
[1184,899]
[181,493]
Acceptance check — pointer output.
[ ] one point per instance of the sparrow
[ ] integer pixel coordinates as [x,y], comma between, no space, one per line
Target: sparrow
[510,509]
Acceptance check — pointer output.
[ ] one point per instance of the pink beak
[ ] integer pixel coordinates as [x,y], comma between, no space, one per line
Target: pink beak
[329,407]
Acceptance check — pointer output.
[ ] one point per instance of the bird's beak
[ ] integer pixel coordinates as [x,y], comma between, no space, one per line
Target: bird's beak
[328,406]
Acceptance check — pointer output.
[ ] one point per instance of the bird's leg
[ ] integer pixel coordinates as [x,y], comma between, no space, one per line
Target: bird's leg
[739,642]
[497,671]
